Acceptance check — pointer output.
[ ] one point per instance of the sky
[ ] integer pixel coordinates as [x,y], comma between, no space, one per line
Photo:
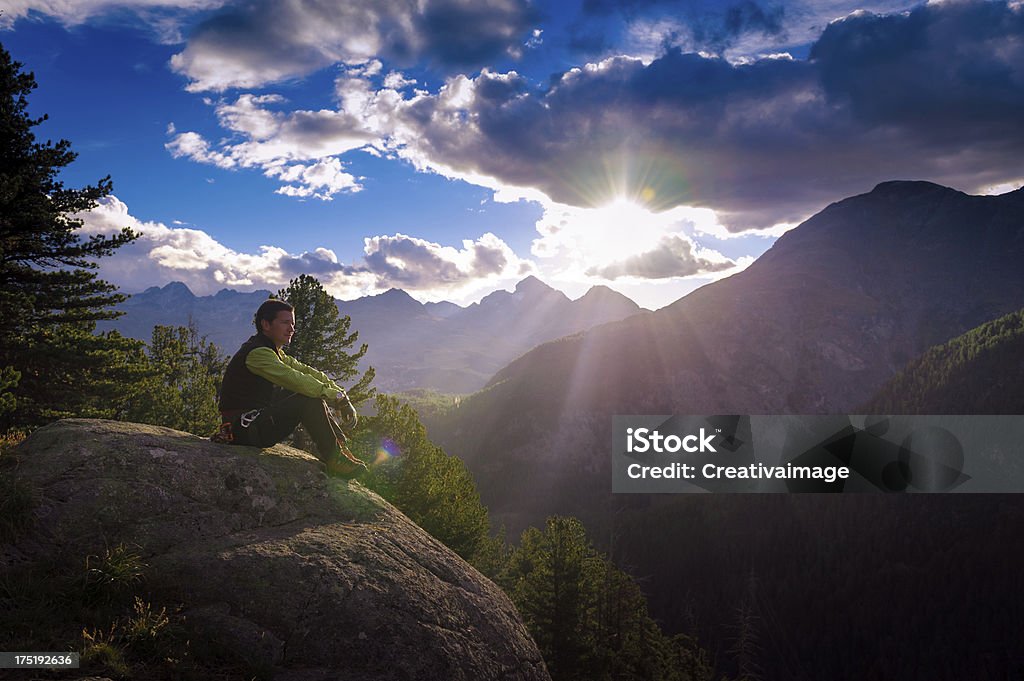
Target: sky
[453,147]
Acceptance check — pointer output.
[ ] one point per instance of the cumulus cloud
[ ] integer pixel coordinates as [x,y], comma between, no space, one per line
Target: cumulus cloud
[321,180]
[263,41]
[396,81]
[165,253]
[192,145]
[272,140]
[936,93]
[623,239]
[199,260]
[408,262]
[675,256]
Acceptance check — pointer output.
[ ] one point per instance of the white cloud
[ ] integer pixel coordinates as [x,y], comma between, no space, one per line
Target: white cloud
[165,254]
[675,256]
[623,239]
[321,180]
[428,269]
[1002,187]
[409,262]
[273,141]
[191,145]
[396,81]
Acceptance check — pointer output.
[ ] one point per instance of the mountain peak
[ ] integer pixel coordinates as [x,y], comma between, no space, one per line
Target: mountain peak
[176,289]
[396,294]
[603,304]
[601,291]
[394,300]
[908,187]
[532,285]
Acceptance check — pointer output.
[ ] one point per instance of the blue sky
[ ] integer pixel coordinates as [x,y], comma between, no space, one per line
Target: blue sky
[453,147]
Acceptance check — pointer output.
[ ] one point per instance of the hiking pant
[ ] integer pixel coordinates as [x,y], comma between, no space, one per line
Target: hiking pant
[267,426]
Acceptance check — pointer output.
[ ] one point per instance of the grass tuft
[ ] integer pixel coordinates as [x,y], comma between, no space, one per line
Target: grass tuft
[117,572]
[100,647]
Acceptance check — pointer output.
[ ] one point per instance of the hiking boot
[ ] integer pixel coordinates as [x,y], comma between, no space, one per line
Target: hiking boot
[344,469]
[223,435]
[345,464]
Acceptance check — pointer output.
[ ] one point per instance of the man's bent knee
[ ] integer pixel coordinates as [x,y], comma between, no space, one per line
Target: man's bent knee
[312,405]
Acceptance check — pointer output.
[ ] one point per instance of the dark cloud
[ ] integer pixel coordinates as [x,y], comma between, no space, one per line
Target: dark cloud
[262,41]
[936,93]
[720,32]
[673,257]
[470,33]
[701,25]
[943,69]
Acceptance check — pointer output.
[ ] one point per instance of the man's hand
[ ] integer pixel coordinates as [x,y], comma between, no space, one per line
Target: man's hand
[346,412]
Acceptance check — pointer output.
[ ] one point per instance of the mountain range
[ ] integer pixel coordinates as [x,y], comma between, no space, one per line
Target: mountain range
[817,325]
[439,346]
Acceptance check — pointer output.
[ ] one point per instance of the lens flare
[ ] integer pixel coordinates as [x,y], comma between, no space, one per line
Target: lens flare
[386,451]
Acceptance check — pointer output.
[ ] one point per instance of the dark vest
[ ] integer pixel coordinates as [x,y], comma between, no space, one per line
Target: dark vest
[242,389]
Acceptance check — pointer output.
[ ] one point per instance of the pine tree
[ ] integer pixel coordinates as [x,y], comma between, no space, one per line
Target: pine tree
[322,336]
[434,489]
[553,580]
[8,380]
[588,617]
[50,297]
[181,391]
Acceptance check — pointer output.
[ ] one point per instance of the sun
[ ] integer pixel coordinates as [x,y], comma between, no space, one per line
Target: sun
[584,238]
[619,229]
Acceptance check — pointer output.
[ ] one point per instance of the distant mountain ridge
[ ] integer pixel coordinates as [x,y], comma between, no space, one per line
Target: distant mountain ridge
[816,325]
[440,346]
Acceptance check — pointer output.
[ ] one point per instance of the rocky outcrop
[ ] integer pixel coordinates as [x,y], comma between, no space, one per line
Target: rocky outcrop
[314,577]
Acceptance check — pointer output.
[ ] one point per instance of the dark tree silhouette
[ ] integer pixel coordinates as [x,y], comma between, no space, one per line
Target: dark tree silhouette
[50,296]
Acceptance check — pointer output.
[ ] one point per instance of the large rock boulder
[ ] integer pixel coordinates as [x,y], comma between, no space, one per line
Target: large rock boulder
[314,577]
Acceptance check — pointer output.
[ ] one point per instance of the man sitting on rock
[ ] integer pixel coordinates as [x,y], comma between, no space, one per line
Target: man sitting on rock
[266,394]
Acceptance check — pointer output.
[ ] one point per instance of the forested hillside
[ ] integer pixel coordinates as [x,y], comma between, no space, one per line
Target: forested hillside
[980,372]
